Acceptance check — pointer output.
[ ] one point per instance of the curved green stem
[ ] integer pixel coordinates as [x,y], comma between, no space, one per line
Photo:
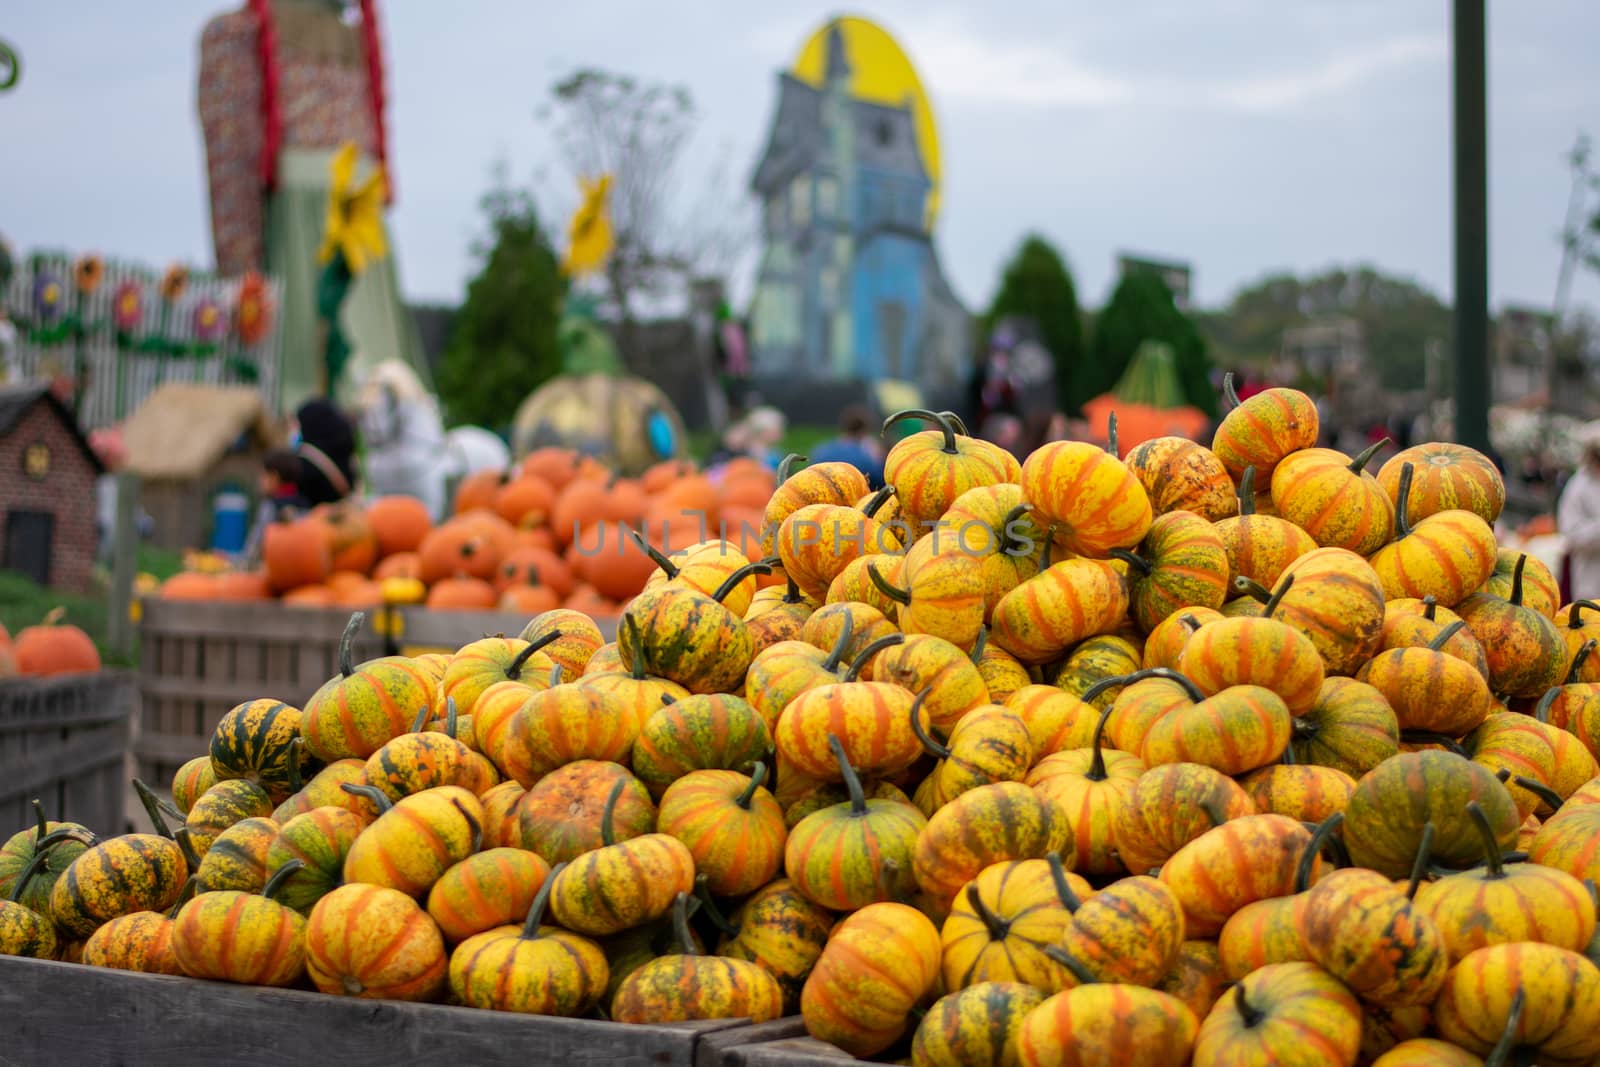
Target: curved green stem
[731,582]
[346,655]
[1365,455]
[1077,969]
[955,421]
[1247,492]
[421,720]
[1428,737]
[929,745]
[1133,560]
[637,639]
[1190,690]
[998,928]
[1541,710]
[530,927]
[191,886]
[1097,764]
[369,792]
[1272,602]
[41,821]
[876,501]
[979,645]
[786,468]
[866,654]
[1492,857]
[1545,794]
[1419,867]
[1430,608]
[191,858]
[1249,1014]
[852,782]
[1058,875]
[1229,393]
[1402,507]
[847,630]
[1111,436]
[758,774]
[944,425]
[280,876]
[1516,580]
[702,890]
[608,814]
[514,668]
[680,924]
[451,718]
[152,808]
[1443,637]
[1578,659]
[667,566]
[899,596]
[297,747]
[1574,620]
[1320,837]
[1501,1053]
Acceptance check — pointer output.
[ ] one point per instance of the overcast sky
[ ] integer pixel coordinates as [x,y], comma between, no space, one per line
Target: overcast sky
[1244,136]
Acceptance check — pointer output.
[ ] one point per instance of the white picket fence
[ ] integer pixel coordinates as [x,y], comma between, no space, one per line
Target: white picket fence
[141,371]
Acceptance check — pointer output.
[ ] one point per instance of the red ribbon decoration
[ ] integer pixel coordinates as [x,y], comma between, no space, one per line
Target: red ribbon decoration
[374,49]
[271,104]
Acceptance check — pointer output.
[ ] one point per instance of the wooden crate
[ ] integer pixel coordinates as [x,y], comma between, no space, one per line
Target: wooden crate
[64,740]
[198,660]
[59,1012]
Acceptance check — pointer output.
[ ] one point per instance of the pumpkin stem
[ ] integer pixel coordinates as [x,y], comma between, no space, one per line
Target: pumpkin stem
[1272,602]
[1516,580]
[1402,507]
[702,890]
[1501,1053]
[297,747]
[1134,560]
[876,501]
[1046,551]
[758,774]
[929,745]
[1190,690]
[1229,393]
[1111,436]
[1077,969]
[680,924]
[955,420]
[1419,868]
[1578,658]
[1247,586]
[979,644]
[899,596]
[999,929]
[530,928]
[152,808]
[791,594]
[1097,765]
[41,856]
[191,858]
[451,719]
[669,568]
[1286,757]
[1545,794]
[1247,492]
[1428,737]
[1010,543]
[637,640]
[1058,875]
[786,468]
[422,719]
[944,425]
[191,886]
[608,815]
[731,582]
[1574,622]
[1492,857]
[1443,637]
[847,630]
[379,799]
[1249,1013]
[1365,455]
[551,682]
[866,654]
[852,781]
[1541,710]
[472,823]
[1430,607]
[346,661]
[44,823]
[280,876]
[1320,837]
[1188,620]
[514,668]
[1210,810]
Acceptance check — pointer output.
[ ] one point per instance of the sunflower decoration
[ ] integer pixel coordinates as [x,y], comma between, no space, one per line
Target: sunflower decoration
[127,307]
[352,240]
[48,296]
[88,273]
[589,232]
[252,312]
[174,282]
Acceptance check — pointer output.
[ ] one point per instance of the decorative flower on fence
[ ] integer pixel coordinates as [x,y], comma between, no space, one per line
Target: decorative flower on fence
[174,282]
[209,324]
[127,307]
[89,272]
[48,297]
[253,312]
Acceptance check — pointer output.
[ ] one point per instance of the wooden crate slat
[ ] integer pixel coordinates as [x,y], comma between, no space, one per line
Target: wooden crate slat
[156,1020]
[65,741]
[794,1052]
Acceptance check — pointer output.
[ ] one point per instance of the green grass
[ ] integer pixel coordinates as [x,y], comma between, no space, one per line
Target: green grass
[799,439]
[24,603]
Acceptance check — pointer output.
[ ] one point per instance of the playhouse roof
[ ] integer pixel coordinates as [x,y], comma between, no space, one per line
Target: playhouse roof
[17,400]
[182,430]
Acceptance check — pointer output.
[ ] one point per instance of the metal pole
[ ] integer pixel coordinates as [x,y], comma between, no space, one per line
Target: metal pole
[1471,226]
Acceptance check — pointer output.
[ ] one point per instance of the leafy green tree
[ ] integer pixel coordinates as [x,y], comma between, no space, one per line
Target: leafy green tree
[1037,285]
[504,341]
[1142,309]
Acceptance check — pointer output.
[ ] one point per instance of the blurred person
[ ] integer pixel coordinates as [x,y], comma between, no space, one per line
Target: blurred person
[325,440]
[279,487]
[855,445]
[1578,521]
[403,435]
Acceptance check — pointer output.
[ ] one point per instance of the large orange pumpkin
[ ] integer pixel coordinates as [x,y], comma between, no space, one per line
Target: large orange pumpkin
[399,523]
[297,553]
[54,647]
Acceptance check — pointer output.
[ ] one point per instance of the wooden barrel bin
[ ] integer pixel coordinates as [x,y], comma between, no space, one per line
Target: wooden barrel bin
[64,742]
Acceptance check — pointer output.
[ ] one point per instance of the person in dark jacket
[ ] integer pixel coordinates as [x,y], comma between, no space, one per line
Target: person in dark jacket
[326,446]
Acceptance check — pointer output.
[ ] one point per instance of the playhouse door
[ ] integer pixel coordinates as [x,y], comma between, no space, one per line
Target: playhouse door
[28,537]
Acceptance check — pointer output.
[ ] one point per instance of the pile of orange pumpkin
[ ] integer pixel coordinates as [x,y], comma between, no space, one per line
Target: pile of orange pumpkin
[50,647]
[1209,756]
[552,531]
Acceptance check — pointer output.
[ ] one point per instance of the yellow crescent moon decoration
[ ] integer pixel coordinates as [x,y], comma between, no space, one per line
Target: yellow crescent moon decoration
[880,72]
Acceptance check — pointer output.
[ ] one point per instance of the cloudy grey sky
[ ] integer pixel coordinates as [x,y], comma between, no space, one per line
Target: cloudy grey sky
[1242,135]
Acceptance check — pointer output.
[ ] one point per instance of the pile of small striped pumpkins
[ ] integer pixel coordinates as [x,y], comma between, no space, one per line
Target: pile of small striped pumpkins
[549,532]
[1212,756]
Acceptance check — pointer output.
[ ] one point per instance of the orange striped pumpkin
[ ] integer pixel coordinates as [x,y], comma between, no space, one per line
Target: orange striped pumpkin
[1351,727]
[1260,547]
[1181,564]
[560,817]
[1334,499]
[1002,674]
[1263,933]
[140,941]
[1089,786]
[1524,649]
[1196,978]
[826,629]
[1003,924]
[576,641]
[921,662]
[489,661]
[1049,613]
[562,725]
[1250,858]
[415,841]
[989,824]
[233,936]
[1108,1025]
[1546,998]
[1166,642]
[1372,937]
[1131,931]
[357,711]
[879,963]
[491,888]
[373,942]
[1261,651]
[979,1024]
[1540,591]
[1301,791]
[816,543]
[823,483]
[732,827]
[989,744]
[1336,601]
[1283,1013]
[1261,431]
[1234,730]
[1092,502]
[1056,721]
[1446,556]
[857,583]
[992,523]
[871,719]
[1181,475]
[930,469]
[1448,477]
[702,567]
[1412,623]
[942,591]
[1578,629]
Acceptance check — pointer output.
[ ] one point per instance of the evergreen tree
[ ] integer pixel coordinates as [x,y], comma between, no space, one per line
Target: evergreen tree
[503,343]
[1142,309]
[1037,285]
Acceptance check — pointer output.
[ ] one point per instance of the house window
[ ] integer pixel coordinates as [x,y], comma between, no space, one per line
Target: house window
[827,196]
[800,202]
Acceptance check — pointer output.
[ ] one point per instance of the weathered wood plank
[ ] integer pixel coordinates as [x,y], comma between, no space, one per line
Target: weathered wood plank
[138,1019]
[795,1052]
[721,1049]
[64,759]
[170,748]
